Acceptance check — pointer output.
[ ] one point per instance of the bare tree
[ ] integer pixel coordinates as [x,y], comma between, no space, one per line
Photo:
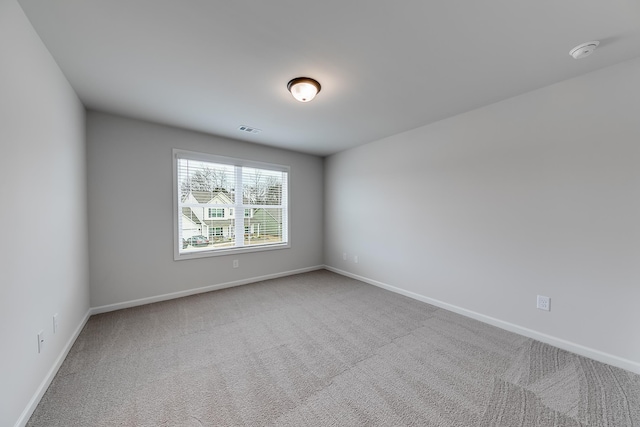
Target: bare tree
[206,179]
[259,189]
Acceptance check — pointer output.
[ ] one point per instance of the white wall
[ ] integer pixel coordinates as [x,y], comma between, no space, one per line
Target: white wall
[131,212]
[42,169]
[538,194]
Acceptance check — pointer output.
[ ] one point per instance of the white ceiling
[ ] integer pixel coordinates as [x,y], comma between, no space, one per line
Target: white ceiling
[385,67]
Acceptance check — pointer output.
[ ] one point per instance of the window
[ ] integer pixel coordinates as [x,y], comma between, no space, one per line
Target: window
[207,186]
[216,212]
[215,232]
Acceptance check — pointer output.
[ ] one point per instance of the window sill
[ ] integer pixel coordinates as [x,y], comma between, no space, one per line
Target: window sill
[177,256]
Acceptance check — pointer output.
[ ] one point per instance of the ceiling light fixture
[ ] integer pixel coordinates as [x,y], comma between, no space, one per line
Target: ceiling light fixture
[583,50]
[304,89]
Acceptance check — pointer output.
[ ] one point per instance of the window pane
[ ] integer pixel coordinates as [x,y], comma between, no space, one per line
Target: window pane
[204,182]
[262,187]
[216,212]
[265,227]
[206,235]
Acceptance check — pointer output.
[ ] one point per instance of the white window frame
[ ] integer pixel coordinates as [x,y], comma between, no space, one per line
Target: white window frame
[215,230]
[219,210]
[192,155]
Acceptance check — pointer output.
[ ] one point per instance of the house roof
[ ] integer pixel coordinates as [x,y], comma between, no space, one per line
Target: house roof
[221,197]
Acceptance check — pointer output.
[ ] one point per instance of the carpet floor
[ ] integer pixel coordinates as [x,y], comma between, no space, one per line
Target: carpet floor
[320,349]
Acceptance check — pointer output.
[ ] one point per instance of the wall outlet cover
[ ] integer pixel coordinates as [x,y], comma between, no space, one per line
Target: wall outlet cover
[40,341]
[543,303]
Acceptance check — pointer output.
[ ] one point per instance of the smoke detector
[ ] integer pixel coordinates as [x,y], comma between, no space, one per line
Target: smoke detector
[584,50]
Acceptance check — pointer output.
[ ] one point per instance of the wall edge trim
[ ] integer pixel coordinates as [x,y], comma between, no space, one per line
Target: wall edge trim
[46,382]
[579,349]
[173,295]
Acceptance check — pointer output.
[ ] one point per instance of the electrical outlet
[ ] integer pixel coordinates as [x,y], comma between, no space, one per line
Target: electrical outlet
[344,256]
[355,259]
[55,323]
[236,263]
[544,303]
[40,341]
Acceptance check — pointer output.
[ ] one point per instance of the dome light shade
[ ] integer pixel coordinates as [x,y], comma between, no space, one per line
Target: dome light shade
[304,89]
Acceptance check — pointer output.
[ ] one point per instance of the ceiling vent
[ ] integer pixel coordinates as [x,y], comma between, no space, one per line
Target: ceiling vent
[249,129]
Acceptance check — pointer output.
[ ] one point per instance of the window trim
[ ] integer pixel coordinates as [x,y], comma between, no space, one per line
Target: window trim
[218,211]
[205,157]
[215,231]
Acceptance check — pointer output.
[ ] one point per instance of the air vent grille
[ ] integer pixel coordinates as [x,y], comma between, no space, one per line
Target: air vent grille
[249,129]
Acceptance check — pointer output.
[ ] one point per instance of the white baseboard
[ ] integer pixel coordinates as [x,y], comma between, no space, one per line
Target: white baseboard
[591,353]
[46,382]
[557,342]
[33,403]
[180,294]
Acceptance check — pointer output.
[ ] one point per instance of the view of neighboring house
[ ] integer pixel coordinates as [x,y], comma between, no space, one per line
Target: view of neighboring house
[218,223]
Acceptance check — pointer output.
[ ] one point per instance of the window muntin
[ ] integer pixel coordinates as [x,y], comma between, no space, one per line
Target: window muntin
[216,232]
[216,212]
[211,189]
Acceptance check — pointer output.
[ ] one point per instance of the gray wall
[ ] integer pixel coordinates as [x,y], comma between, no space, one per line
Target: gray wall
[43,215]
[538,194]
[131,212]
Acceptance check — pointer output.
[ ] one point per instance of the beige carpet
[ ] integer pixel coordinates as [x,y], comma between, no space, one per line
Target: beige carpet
[319,349]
